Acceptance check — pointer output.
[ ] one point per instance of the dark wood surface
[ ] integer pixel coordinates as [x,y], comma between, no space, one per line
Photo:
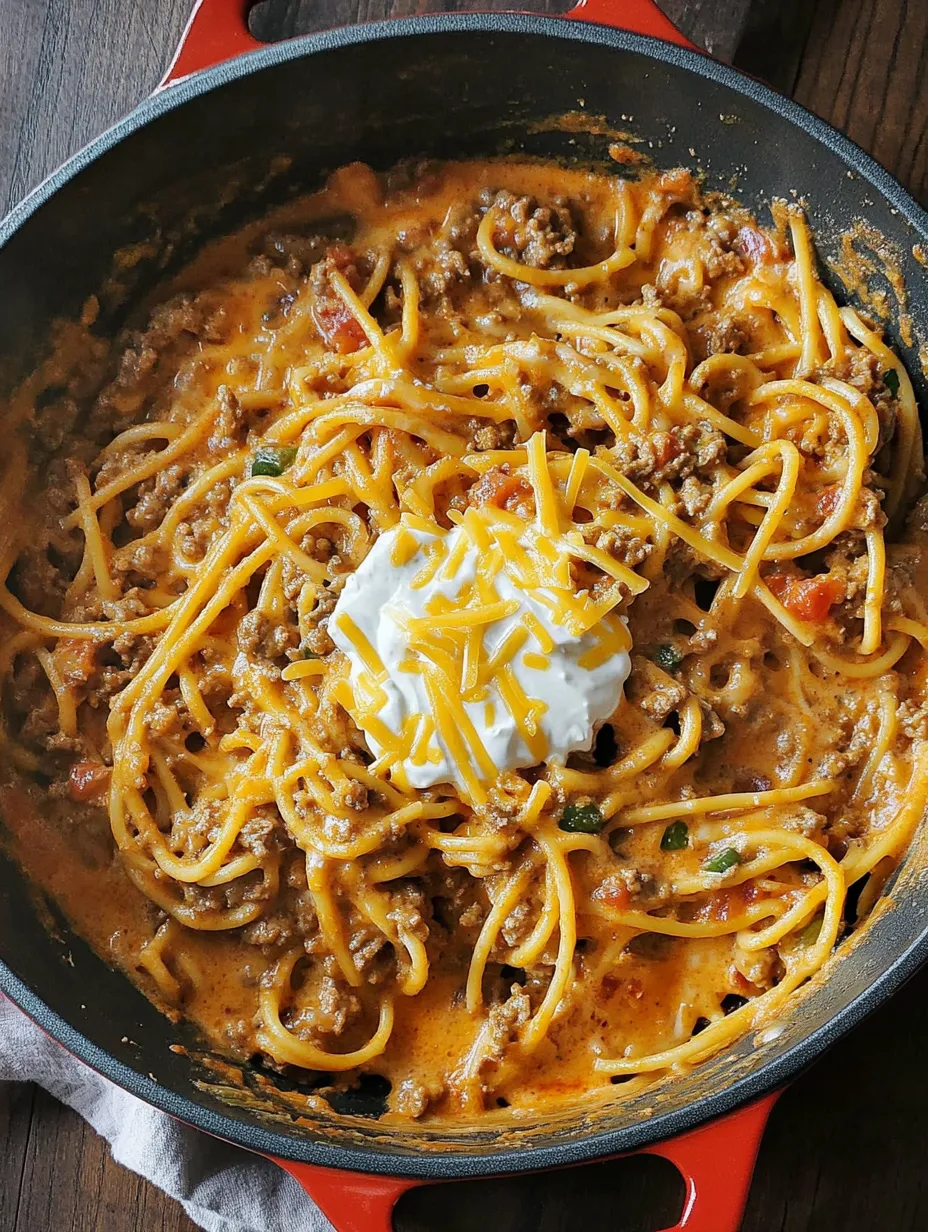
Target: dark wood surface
[846,1146]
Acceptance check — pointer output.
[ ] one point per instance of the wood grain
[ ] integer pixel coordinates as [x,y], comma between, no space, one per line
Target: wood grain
[845,1146]
[877,91]
[69,70]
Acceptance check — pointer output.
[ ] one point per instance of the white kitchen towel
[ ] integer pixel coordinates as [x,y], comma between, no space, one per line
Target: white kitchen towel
[221,1187]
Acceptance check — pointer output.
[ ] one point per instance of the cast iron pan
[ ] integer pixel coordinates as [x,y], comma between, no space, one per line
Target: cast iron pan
[235,133]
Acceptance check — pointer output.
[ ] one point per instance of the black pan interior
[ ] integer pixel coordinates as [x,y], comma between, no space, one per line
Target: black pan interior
[214,151]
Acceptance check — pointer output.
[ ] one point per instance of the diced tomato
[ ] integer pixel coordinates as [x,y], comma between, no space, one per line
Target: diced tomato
[807,598]
[341,256]
[715,908]
[666,448]
[497,487]
[76,659]
[758,246]
[614,893]
[723,904]
[828,499]
[88,781]
[338,327]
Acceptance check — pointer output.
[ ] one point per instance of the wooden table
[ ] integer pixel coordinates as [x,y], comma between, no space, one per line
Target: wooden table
[846,1146]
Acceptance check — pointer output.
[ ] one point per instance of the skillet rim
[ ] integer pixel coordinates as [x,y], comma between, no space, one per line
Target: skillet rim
[767,1077]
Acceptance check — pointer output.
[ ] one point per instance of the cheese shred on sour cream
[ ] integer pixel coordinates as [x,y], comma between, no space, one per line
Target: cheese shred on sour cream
[462,666]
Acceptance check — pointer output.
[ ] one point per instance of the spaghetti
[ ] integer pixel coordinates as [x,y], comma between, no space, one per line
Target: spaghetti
[649,413]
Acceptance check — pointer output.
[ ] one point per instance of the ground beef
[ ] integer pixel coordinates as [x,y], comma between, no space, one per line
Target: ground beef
[913,718]
[712,725]
[201,316]
[138,561]
[621,544]
[653,690]
[460,227]
[862,369]
[155,496]
[200,898]
[518,923]
[263,832]
[296,253]
[275,930]
[755,966]
[541,236]
[372,953]
[92,606]
[168,717]
[485,434]
[331,1008]
[721,335]
[412,1097]
[29,699]
[440,268]
[694,496]
[455,900]
[239,1034]
[228,424]
[317,635]
[133,651]
[719,260]
[352,795]
[504,1021]
[260,637]
[51,424]
[686,451]
[196,533]
[410,909]
[150,358]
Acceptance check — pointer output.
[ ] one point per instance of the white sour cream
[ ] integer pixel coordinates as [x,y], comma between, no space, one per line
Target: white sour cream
[576,698]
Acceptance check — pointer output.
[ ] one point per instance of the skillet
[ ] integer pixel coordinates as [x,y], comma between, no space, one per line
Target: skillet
[238,127]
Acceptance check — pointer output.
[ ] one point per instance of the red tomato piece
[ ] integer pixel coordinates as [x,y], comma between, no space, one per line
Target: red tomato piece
[76,659]
[757,246]
[807,598]
[339,329]
[615,893]
[497,487]
[88,781]
[828,500]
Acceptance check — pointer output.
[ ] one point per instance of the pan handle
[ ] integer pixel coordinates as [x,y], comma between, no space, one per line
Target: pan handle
[716,1163]
[218,30]
[634,16]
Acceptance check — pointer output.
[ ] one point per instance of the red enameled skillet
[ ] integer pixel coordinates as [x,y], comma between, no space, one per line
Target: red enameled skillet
[237,127]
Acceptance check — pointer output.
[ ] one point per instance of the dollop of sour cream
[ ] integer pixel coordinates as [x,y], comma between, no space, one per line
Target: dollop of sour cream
[383,595]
